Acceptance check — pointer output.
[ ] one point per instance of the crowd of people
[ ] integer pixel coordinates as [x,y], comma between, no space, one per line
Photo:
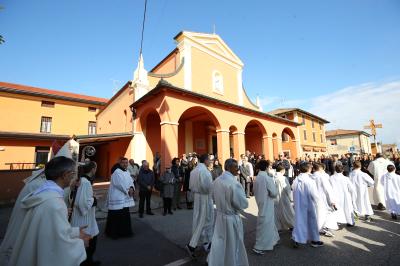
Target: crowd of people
[318,201]
[308,197]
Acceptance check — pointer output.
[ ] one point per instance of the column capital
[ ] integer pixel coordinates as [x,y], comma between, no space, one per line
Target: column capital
[238,133]
[169,123]
[222,130]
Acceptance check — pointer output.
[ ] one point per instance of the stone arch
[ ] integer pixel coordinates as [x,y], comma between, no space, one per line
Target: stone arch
[197,131]
[254,137]
[289,143]
[149,123]
[233,142]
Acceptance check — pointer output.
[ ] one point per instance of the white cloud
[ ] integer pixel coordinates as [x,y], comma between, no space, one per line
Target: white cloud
[353,107]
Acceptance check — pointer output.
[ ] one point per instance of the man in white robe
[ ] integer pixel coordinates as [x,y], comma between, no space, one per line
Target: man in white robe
[326,201]
[345,194]
[227,244]
[203,211]
[120,199]
[305,196]
[84,210]
[391,184]
[70,150]
[361,182]
[45,237]
[265,192]
[378,168]
[284,213]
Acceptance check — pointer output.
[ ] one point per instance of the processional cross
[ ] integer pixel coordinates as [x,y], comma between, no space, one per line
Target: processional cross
[373,128]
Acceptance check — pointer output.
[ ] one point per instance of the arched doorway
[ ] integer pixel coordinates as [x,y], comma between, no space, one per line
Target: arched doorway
[151,128]
[275,146]
[254,133]
[233,142]
[288,143]
[197,131]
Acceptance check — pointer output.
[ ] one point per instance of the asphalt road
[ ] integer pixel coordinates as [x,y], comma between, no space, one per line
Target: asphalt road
[160,240]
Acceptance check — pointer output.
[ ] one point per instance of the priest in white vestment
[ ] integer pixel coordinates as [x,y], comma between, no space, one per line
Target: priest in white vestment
[227,243]
[361,182]
[265,192]
[200,185]
[326,201]
[84,209]
[70,150]
[378,168]
[45,237]
[284,212]
[120,199]
[391,184]
[345,194]
[305,197]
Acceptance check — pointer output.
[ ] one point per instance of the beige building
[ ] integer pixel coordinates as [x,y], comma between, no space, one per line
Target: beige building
[311,131]
[342,141]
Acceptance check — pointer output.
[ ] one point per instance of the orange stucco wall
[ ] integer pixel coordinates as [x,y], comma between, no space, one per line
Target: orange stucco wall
[107,155]
[253,141]
[169,65]
[200,138]
[310,130]
[20,151]
[68,118]
[116,118]
[203,66]
[153,133]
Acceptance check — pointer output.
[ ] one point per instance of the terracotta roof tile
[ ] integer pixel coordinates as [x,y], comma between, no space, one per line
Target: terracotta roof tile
[280,111]
[29,89]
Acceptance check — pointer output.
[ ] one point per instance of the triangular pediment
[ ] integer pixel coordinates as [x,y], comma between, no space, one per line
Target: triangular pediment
[213,43]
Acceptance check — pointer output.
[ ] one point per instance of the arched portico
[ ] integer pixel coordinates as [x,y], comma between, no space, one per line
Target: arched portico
[254,137]
[150,128]
[197,131]
[289,143]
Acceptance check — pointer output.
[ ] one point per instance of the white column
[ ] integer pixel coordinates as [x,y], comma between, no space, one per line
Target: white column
[138,147]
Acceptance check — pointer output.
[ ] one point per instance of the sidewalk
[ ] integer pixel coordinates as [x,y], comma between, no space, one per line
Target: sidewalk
[101,193]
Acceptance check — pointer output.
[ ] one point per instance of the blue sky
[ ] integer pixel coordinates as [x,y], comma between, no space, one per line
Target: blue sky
[293,51]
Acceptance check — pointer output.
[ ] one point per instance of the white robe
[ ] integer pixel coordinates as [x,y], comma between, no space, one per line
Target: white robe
[203,211]
[361,182]
[325,213]
[305,196]
[345,194]
[46,238]
[84,213]
[227,243]
[378,168]
[118,192]
[17,216]
[391,184]
[265,192]
[284,213]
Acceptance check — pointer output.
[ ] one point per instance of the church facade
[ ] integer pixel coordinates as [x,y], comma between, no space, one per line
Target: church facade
[194,101]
